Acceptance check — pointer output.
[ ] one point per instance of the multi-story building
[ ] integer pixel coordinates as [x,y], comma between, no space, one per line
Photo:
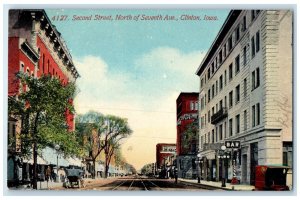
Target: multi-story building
[187,139]
[164,153]
[37,48]
[246,94]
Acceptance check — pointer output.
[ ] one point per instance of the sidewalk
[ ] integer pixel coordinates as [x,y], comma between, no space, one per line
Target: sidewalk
[217,185]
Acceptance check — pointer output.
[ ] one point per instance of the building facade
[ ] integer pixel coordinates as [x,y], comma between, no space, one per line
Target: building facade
[187,105]
[165,152]
[246,95]
[35,47]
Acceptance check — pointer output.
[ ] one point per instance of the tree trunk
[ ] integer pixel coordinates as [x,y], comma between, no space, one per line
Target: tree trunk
[94,169]
[106,170]
[35,175]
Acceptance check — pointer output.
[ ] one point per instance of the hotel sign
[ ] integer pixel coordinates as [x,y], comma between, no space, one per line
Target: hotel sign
[168,149]
[187,117]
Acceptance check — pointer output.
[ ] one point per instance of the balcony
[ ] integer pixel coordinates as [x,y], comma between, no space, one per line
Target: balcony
[218,116]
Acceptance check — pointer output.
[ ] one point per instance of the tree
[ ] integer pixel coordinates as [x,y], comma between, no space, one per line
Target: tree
[42,108]
[190,137]
[116,129]
[89,128]
[101,133]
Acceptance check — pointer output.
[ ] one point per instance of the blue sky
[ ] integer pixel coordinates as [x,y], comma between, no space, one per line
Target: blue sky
[136,69]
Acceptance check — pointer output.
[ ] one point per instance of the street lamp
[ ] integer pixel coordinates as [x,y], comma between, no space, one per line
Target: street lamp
[223,156]
[57,147]
[199,157]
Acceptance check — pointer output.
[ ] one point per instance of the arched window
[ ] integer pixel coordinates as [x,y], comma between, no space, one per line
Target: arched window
[22,67]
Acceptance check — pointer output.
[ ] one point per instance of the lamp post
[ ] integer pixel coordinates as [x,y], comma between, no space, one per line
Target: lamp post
[57,147]
[223,156]
[199,157]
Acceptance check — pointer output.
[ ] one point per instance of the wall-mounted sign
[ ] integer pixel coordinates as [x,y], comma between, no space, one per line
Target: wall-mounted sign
[168,149]
[187,117]
[233,144]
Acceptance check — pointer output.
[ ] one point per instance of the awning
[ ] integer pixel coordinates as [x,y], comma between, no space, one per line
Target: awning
[74,161]
[40,161]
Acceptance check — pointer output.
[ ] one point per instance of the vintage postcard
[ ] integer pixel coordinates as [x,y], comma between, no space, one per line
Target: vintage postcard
[150,99]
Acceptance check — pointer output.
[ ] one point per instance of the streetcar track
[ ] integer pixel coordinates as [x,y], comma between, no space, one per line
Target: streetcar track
[119,185]
[130,184]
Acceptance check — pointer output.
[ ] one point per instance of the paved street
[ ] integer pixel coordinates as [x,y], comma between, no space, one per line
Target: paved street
[137,183]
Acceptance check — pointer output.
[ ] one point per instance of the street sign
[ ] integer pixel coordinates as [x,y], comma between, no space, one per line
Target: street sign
[233,144]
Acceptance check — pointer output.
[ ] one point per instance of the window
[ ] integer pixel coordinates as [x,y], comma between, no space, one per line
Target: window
[22,67]
[255,78]
[201,84]
[224,50]
[252,15]
[205,138]
[209,95]
[213,110]
[287,158]
[257,41]
[225,100]
[196,105]
[208,73]
[202,103]
[244,23]
[230,43]
[245,120]
[212,69]
[230,71]
[230,127]
[205,120]
[43,63]
[209,116]
[216,134]
[220,57]
[258,114]
[213,91]
[245,88]
[221,82]
[253,116]
[230,99]
[245,55]
[237,33]
[213,136]
[237,64]
[217,108]
[14,130]
[217,62]
[216,87]
[191,105]
[221,132]
[237,94]
[252,47]
[237,124]
[205,100]
[208,137]
[221,104]
[225,77]
[225,130]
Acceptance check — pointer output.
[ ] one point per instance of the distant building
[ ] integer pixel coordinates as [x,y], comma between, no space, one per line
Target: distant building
[164,153]
[187,105]
[246,94]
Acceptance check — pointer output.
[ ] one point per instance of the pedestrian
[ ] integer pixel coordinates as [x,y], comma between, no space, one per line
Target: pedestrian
[48,173]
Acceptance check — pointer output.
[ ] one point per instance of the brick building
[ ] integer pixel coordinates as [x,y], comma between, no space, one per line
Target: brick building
[165,153]
[37,48]
[187,140]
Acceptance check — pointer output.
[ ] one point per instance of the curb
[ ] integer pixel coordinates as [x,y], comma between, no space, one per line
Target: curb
[208,187]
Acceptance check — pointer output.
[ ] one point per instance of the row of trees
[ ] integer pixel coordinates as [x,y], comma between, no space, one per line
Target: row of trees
[41,108]
[101,133]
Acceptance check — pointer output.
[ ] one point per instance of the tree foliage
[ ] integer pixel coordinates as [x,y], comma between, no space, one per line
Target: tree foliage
[190,137]
[42,109]
[101,133]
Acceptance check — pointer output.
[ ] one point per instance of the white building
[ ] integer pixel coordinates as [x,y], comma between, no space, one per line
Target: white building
[246,94]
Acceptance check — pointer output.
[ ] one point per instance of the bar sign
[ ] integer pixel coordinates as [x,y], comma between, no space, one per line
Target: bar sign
[233,144]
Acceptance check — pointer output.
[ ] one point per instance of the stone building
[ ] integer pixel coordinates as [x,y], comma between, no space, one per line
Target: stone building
[246,94]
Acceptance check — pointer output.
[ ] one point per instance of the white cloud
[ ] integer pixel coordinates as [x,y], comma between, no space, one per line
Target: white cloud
[149,101]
